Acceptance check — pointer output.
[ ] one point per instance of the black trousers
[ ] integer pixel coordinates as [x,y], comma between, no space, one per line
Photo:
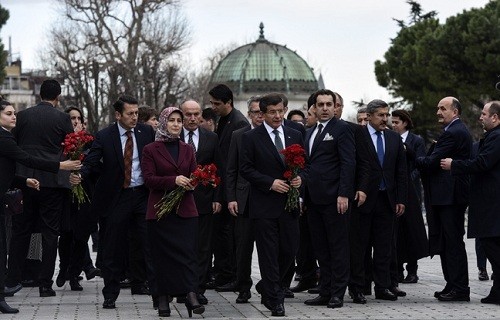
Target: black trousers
[46,205]
[330,234]
[277,243]
[376,225]
[492,250]
[453,256]
[223,245]
[127,215]
[72,251]
[205,229]
[306,260]
[245,238]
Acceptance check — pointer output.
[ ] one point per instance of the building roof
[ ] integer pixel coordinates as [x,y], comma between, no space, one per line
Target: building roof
[263,66]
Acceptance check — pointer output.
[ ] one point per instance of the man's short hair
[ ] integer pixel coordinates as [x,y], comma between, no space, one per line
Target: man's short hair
[362,110]
[209,114]
[223,93]
[456,104]
[295,112]
[340,98]
[120,103]
[404,116]
[252,100]
[374,105]
[284,99]
[50,90]
[495,108]
[311,101]
[270,99]
[325,92]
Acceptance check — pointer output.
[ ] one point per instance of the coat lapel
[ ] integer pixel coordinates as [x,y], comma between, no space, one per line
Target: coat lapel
[164,152]
[371,147]
[117,144]
[269,144]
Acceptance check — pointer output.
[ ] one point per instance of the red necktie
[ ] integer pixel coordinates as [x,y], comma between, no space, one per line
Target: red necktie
[127,159]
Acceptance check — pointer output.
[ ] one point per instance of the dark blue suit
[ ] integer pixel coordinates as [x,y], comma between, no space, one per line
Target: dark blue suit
[448,197]
[377,215]
[277,231]
[330,174]
[121,211]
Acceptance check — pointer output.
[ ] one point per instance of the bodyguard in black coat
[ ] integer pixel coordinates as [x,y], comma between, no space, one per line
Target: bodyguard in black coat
[277,230]
[328,190]
[40,130]
[448,197]
[484,217]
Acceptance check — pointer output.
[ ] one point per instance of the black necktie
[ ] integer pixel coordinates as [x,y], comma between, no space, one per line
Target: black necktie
[278,143]
[380,155]
[317,139]
[190,140]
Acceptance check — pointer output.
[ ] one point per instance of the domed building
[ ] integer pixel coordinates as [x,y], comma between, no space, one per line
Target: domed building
[262,67]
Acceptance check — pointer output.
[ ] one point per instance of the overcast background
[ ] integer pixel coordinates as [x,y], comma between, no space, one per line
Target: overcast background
[339,39]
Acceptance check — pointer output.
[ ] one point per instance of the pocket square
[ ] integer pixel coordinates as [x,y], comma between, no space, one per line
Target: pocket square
[328,137]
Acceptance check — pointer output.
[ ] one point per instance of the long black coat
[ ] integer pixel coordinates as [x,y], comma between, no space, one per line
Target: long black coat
[484,214]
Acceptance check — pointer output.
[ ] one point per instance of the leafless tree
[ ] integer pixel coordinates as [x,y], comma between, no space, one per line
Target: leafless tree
[105,48]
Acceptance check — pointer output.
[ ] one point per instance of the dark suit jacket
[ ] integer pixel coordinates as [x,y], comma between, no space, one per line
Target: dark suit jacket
[39,131]
[393,170]
[235,121]
[443,188]
[160,170]
[484,217]
[10,154]
[362,163]
[417,144]
[261,164]
[331,164]
[207,153]
[296,126]
[106,156]
[237,187]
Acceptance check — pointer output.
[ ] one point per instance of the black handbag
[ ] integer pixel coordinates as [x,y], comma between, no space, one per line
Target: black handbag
[13,201]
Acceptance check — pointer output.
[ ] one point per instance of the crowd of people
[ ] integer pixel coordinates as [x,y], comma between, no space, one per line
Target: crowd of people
[358,219]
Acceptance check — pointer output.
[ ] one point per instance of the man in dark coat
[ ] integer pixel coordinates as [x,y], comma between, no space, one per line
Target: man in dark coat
[385,199]
[448,197]
[484,218]
[206,146]
[329,187]
[410,234]
[40,131]
[230,119]
[120,198]
[277,229]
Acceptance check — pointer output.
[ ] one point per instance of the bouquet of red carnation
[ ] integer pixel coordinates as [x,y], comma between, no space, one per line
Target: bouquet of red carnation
[205,175]
[74,144]
[294,161]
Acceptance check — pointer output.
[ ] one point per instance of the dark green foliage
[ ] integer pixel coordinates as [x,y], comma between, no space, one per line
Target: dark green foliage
[4,16]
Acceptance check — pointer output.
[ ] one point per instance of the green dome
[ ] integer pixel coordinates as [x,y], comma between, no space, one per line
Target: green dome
[264,66]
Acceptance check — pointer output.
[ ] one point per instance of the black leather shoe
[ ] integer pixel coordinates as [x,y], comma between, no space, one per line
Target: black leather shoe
[444,291]
[454,296]
[335,302]
[46,292]
[228,287]
[140,290]
[75,285]
[287,293]
[109,303]
[491,299]
[92,273]
[358,297]
[318,301]
[5,308]
[397,292]
[410,278]
[483,275]
[243,296]
[304,285]
[315,290]
[10,291]
[61,279]
[201,298]
[385,295]
[278,310]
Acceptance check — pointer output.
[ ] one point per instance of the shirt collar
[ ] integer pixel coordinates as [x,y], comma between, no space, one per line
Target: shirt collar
[186,132]
[372,130]
[270,129]
[325,123]
[122,130]
[405,135]
[449,124]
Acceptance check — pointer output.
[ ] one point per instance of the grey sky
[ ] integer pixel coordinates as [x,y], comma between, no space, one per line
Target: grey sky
[340,39]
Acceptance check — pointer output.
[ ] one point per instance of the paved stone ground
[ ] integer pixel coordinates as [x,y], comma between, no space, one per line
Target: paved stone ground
[418,304]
